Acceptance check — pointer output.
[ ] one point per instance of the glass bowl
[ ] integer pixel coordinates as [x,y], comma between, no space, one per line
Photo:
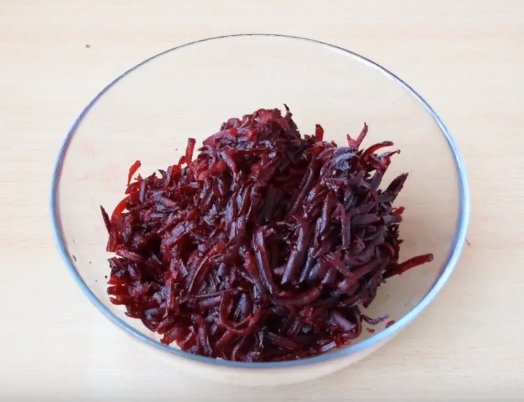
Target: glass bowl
[148,113]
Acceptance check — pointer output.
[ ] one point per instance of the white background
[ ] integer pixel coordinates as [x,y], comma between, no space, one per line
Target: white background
[465,57]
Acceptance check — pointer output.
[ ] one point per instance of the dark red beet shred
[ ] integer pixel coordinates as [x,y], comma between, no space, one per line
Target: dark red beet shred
[265,247]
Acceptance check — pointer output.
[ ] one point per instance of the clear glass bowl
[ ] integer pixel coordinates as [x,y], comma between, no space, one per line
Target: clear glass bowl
[148,112]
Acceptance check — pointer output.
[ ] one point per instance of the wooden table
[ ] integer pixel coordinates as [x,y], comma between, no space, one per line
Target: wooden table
[465,57]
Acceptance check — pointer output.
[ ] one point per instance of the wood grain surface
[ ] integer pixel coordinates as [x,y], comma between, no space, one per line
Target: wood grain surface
[465,57]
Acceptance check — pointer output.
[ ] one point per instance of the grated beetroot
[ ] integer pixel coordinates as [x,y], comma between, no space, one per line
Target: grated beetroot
[263,248]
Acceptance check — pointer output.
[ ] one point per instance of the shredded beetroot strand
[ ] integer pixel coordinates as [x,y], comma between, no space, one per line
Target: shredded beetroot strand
[264,248]
[390,323]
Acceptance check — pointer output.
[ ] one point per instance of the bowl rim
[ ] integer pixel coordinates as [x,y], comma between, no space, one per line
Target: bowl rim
[382,336]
